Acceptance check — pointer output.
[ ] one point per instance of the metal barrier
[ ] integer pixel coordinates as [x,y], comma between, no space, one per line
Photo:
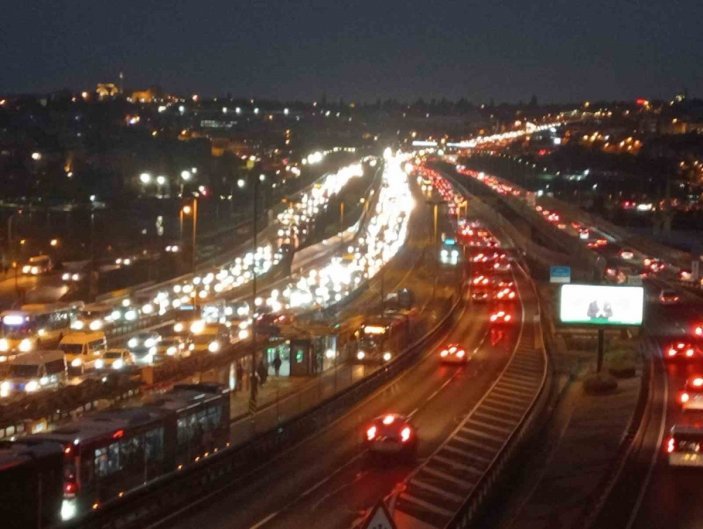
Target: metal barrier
[147,503]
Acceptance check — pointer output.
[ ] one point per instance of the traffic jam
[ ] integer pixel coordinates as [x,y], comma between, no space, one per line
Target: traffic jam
[90,446]
[681,349]
[46,346]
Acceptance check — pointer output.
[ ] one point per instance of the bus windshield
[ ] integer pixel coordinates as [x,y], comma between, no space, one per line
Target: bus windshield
[71,348]
[24,371]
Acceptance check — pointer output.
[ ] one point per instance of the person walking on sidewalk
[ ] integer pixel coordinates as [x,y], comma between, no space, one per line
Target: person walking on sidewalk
[277,364]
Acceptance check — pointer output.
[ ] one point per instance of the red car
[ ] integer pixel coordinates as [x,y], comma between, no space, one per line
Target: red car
[500,317]
[506,294]
[691,396]
[454,354]
[390,434]
[680,350]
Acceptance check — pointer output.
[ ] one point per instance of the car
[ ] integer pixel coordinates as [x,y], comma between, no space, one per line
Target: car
[668,297]
[627,254]
[680,350]
[453,353]
[500,317]
[501,266]
[584,233]
[691,396]
[143,346]
[115,359]
[480,280]
[171,347]
[505,294]
[684,446]
[391,433]
[654,265]
[39,264]
[480,296]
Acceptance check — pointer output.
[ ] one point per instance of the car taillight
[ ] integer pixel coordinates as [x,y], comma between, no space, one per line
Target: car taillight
[684,397]
[671,352]
[671,445]
[689,352]
[699,330]
[70,489]
[371,433]
[405,434]
[444,353]
[507,317]
[461,353]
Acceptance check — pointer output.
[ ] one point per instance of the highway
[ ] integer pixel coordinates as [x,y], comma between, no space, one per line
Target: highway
[650,493]
[329,480]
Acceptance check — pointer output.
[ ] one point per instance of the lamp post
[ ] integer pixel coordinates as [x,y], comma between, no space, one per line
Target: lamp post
[253,386]
[191,209]
[185,177]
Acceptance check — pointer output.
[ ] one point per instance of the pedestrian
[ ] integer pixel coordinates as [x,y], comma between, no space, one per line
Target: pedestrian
[277,364]
[239,374]
[262,372]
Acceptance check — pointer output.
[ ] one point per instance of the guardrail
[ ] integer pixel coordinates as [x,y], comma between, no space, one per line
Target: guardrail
[136,508]
[594,504]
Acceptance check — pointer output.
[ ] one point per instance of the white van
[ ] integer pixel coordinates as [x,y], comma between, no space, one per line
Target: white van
[82,349]
[34,371]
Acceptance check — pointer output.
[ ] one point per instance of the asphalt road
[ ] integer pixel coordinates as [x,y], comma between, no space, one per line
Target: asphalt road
[650,494]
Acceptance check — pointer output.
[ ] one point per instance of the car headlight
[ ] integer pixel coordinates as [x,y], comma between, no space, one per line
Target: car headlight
[214,346]
[360,355]
[25,345]
[32,386]
[65,276]
[34,270]
[178,327]
[152,351]
[76,362]
[171,350]
[75,277]
[387,356]
[99,364]
[149,342]
[132,342]
[5,388]
[26,269]
[77,325]
[95,325]
[4,344]
[118,364]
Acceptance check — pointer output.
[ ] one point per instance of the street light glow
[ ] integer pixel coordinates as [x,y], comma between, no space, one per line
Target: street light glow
[145,178]
[185,175]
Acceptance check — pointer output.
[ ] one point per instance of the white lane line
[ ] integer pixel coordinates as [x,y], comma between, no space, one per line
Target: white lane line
[265,520]
[655,455]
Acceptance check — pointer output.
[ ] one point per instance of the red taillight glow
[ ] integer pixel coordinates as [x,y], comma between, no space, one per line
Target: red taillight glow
[405,434]
[671,445]
[684,397]
[699,330]
[371,433]
[461,353]
[689,352]
[70,488]
[444,353]
[507,317]
[671,352]
[698,382]
[388,419]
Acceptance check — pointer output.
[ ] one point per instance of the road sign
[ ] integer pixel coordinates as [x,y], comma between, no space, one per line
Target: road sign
[560,274]
[379,518]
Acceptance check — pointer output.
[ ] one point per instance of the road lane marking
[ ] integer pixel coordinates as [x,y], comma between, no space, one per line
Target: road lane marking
[265,520]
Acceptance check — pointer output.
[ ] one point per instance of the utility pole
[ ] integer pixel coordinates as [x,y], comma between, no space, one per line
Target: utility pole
[253,386]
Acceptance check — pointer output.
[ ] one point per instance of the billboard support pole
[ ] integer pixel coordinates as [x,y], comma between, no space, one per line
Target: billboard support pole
[601,349]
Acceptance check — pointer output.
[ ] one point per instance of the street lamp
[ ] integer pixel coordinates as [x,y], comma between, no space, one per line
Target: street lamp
[189,209]
[241,183]
[185,177]
[160,181]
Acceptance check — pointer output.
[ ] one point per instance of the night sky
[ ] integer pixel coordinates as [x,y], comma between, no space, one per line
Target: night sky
[508,50]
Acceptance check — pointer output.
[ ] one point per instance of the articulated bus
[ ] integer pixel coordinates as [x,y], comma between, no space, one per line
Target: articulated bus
[35,326]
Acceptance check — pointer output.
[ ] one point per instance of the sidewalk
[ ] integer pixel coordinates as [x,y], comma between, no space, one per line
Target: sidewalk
[577,451]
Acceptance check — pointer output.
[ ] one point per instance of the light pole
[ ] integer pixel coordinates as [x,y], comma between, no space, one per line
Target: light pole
[191,209]
[185,177]
[253,386]
[435,218]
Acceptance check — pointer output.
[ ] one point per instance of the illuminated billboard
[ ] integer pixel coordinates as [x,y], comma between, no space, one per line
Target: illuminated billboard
[601,305]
